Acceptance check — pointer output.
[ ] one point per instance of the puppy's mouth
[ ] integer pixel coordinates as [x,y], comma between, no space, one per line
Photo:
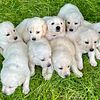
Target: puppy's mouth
[54,35]
[58,29]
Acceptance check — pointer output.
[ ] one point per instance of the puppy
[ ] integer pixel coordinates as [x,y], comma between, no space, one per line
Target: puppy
[86,43]
[56,27]
[63,57]
[73,17]
[96,27]
[15,71]
[31,26]
[40,54]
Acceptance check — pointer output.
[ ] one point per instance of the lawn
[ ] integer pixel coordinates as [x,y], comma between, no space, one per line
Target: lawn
[70,88]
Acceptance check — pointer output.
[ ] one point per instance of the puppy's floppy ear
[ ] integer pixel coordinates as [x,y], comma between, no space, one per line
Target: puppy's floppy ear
[8,24]
[46,18]
[44,28]
[81,20]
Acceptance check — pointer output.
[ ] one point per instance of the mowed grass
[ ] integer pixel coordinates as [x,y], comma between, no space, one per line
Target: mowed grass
[70,88]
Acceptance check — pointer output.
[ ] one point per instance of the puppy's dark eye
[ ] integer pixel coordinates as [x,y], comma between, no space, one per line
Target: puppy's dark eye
[43,59]
[37,32]
[60,68]
[13,30]
[68,66]
[86,42]
[95,41]
[76,23]
[7,34]
[52,23]
[30,31]
[99,32]
[61,23]
[68,22]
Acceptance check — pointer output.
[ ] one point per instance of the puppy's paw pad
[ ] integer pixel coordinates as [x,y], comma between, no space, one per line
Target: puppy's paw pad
[26,90]
[93,63]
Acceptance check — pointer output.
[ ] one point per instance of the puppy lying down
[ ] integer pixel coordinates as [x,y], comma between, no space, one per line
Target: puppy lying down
[56,27]
[40,54]
[63,57]
[15,71]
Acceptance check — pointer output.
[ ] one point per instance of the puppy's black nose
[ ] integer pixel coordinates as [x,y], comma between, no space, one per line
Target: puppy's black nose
[15,38]
[66,75]
[49,65]
[58,28]
[71,30]
[91,49]
[33,39]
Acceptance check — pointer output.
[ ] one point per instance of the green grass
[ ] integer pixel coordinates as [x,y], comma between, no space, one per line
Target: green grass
[71,88]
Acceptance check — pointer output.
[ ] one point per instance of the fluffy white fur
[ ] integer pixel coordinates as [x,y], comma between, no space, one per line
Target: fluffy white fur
[73,17]
[31,26]
[40,54]
[56,27]
[63,57]
[15,71]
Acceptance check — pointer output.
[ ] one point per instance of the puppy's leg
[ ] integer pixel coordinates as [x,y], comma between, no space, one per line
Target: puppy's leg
[47,72]
[79,60]
[75,69]
[32,67]
[26,85]
[92,58]
[97,54]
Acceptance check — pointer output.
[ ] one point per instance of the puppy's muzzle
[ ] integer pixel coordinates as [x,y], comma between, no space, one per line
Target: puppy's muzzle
[91,49]
[15,38]
[71,30]
[57,28]
[33,39]
[48,65]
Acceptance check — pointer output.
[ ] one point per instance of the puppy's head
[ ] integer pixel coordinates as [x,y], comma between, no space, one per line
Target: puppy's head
[56,27]
[36,28]
[7,33]
[62,64]
[73,21]
[87,40]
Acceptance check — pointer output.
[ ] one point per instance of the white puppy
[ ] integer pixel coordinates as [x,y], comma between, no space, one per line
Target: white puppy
[56,27]
[31,26]
[40,53]
[63,57]
[73,17]
[15,71]
[86,43]
[96,27]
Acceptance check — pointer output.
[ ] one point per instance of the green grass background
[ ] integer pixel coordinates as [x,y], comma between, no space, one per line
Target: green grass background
[70,88]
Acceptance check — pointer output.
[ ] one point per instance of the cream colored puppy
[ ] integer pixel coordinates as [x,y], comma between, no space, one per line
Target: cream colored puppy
[96,27]
[73,17]
[63,57]
[56,27]
[15,71]
[86,43]
[40,54]
[31,26]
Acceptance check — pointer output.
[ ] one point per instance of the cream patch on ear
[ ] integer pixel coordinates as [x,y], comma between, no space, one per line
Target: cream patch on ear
[44,28]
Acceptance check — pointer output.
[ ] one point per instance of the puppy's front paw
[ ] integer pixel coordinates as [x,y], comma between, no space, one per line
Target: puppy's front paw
[32,73]
[93,63]
[26,90]
[79,74]
[98,56]
[47,77]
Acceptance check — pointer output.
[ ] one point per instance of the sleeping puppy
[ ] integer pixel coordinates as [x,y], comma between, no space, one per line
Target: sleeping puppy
[56,27]
[15,71]
[96,27]
[31,26]
[40,54]
[86,43]
[63,57]
[72,16]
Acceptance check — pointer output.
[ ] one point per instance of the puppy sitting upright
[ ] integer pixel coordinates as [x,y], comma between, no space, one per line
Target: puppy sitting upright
[73,17]
[15,71]
[56,27]
[63,57]
[29,25]
[40,50]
